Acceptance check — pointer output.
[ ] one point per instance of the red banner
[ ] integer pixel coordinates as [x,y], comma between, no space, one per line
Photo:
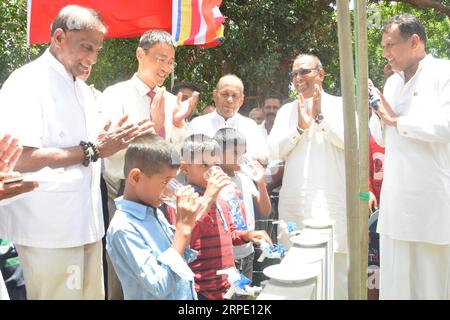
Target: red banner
[124,18]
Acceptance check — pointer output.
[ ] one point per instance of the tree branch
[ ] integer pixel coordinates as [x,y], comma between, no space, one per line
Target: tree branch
[429,4]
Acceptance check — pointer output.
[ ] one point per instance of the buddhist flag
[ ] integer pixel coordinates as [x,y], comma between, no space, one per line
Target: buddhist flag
[197,22]
[191,22]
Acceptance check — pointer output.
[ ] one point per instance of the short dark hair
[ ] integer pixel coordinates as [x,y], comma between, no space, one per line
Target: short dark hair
[181,85]
[408,25]
[73,17]
[229,137]
[197,145]
[152,37]
[272,96]
[150,153]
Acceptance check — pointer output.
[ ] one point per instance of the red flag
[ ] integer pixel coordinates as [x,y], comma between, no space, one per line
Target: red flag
[124,18]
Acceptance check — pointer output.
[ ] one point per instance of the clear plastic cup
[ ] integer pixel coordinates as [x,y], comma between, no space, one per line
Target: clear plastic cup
[169,193]
[229,191]
[251,167]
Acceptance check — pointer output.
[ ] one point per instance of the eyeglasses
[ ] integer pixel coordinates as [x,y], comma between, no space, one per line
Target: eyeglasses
[232,96]
[165,61]
[301,72]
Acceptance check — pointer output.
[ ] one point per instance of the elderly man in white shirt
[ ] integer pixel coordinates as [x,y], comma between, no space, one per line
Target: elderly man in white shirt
[413,123]
[308,134]
[142,97]
[58,228]
[228,98]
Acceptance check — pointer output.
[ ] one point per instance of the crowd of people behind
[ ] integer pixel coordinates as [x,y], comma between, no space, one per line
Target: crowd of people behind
[181,210]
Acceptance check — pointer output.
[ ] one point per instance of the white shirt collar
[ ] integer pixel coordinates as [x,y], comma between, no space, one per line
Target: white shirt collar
[56,65]
[422,63]
[140,85]
[231,121]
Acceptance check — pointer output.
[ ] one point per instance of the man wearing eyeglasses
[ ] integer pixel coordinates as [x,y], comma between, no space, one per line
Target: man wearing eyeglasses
[412,121]
[142,97]
[308,134]
[228,99]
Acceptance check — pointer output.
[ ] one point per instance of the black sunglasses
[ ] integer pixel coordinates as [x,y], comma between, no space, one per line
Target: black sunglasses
[301,72]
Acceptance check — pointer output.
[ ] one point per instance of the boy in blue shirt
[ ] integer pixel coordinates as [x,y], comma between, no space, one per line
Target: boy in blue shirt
[149,256]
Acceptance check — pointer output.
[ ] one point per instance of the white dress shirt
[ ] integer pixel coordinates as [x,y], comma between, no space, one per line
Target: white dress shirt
[415,196]
[210,123]
[44,107]
[314,175]
[130,98]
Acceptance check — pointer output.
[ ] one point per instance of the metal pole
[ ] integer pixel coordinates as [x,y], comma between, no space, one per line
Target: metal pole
[351,148]
[172,79]
[363,117]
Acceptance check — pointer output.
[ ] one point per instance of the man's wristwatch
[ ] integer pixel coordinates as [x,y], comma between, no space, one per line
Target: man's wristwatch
[319,118]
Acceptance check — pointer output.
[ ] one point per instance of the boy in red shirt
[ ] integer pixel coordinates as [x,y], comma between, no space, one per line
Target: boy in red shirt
[214,233]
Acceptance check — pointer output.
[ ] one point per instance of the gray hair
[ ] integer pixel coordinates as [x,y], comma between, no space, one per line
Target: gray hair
[152,37]
[228,77]
[315,58]
[73,17]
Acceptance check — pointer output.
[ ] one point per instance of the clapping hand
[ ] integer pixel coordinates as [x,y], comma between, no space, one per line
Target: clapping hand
[157,107]
[317,101]
[184,109]
[304,120]
[113,139]
[10,152]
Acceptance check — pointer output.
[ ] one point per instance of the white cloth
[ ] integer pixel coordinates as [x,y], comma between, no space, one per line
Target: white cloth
[130,98]
[247,187]
[264,132]
[46,108]
[3,291]
[314,175]
[63,274]
[210,123]
[413,270]
[416,184]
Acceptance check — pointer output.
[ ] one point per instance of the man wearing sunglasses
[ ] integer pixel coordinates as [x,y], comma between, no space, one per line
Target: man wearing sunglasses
[308,134]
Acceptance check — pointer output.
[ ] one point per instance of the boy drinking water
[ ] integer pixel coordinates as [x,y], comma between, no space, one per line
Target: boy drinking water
[233,145]
[214,233]
[148,255]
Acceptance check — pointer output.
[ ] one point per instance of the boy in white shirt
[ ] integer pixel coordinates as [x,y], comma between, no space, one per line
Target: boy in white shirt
[233,144]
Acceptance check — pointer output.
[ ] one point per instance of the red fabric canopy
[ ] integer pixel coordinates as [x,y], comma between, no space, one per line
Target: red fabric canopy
[124,18]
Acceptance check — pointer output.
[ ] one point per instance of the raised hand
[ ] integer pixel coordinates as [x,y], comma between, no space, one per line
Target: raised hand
[317,101]
[216,182]
[184,109]
[385,112]
[157,112]
[373,204]
[304,120]
[114,139]
[188,205]
[10,152]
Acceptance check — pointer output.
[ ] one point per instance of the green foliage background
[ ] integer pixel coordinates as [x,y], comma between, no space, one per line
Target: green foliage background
[262,37]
